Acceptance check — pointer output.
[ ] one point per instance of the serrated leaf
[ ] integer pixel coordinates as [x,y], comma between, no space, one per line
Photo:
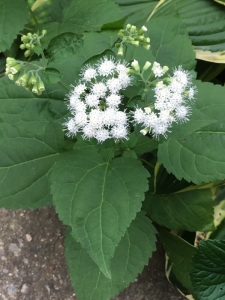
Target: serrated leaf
[13,16]
[131,254]
[98,199]
[208,271]
[192,211]
[30,142]
[210,17]
[91,15]
[195,158]
[180,253]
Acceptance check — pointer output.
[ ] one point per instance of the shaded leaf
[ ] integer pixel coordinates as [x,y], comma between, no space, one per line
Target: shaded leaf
[208,270]
[131,254]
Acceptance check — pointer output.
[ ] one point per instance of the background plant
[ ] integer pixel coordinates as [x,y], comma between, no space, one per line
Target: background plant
[109,195]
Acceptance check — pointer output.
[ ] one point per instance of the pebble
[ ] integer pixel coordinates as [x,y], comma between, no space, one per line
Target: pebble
[28,237]
[24,289]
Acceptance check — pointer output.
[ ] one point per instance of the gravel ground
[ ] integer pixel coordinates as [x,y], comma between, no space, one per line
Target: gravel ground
[32,265]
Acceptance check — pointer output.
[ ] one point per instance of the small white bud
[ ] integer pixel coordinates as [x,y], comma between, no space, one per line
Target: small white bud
[147,65]
[147,110]
[135,65]
[144,131]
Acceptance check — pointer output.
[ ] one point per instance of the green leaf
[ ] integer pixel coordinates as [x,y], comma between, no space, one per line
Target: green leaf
[208,271]
[180,253]
[93,44]
[52,75]
[30,143]
[98,199]
[131,254]
[170,43]
[13,16]
[136,11]
[91,15]
[199,157]
[190,211]
[209,35]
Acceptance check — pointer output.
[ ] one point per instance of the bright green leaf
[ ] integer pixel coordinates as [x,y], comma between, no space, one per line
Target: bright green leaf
[13,16]
[91,15]
[180,253]
[190,211]
[98,199]
[208,271]
[131,254]
[52,75]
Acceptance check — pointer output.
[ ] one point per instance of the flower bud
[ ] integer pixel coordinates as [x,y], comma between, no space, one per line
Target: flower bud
[165,69]
[41,86]
[142,30]
[32,80]
[146,40]
[144,131]
[25,39]
[120,50]
[22,46]
[135,65]
[44,31]
[146,46]
[147,110]
[27,53]
[15,69]
[146,66]
[128,26]
[135,43]
[35,89]
[133,29]
[23,79]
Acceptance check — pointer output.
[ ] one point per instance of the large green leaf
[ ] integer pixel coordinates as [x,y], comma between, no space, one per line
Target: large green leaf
[205,22]
[200,156]
[136,11]
[30,142]
[131,254]
[69,61]
[98,199]
[190,211]
[170,43]
[91,15]
[208,271]
[180,253]
[13,16]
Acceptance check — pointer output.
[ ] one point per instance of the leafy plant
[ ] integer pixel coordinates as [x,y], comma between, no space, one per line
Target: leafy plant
[106,114]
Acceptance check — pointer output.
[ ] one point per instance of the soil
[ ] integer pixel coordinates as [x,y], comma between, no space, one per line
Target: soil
[32,264]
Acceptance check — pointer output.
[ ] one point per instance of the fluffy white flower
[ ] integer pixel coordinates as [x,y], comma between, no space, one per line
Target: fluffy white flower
[139,116]
[92,100]
[182,76]
[96,118]
[106,67]
[101,135]
[113,100]
[121,68]
[80,119]
[77,105]
[124,80]
[79,89]
[88,131]
[89,74]
[71,127]
[99,89]
[157,70]
[181,113]
[120,118]
[119,132]
[109,116]
[114,85]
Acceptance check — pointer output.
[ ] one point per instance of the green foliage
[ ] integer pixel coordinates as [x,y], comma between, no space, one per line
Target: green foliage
[13,16]
[91,15]
[98,198]
[130,256]
[190,211]
[180,253]
[207,274]
[101,189]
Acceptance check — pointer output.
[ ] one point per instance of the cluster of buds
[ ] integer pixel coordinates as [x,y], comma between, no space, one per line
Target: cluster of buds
[131,35]
[30,41]
[30,79]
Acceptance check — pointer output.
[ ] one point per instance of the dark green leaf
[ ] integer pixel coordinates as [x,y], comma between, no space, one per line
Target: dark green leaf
[13,16]
[208,271]
[98,199]
[131,254]
[180,253]
[91,15]
[190,211]
[52,75]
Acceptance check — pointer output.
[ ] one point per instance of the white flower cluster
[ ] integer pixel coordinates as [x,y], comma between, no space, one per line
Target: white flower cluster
[172,98]
[94,102]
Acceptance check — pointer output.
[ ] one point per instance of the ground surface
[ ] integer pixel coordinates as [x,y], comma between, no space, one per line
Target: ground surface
[32,264]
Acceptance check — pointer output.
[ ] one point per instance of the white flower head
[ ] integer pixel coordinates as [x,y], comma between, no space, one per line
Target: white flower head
[157,70]
[89,73]
[106,66]
[99,89]
[113,100]
[79,89]
[119,132]
[92,100]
